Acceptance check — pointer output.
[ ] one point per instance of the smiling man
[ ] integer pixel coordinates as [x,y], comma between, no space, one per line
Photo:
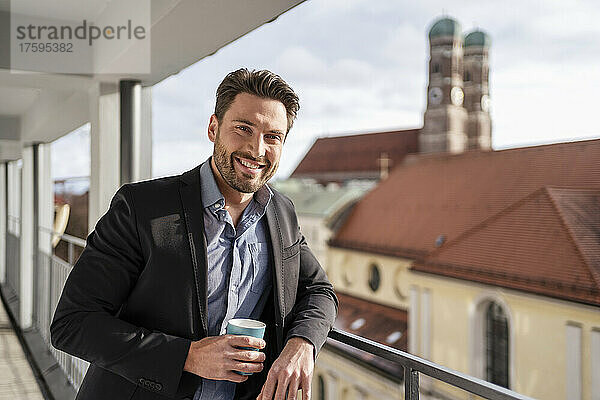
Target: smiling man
[174,259]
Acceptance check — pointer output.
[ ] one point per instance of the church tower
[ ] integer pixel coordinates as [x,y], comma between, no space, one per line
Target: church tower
[445,120]
[476,84]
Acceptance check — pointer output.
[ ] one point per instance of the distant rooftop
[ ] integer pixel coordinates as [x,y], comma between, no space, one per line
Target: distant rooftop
[377,322]
[317,200]
[341,158]
[476,192]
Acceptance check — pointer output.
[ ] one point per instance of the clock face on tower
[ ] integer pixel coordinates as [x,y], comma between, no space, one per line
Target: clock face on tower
[457,96]
[435,95]
[485,103]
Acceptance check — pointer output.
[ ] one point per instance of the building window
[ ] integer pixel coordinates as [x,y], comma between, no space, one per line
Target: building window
[496,345]
[374,277]
[436,68]
[467,76]
[321,388]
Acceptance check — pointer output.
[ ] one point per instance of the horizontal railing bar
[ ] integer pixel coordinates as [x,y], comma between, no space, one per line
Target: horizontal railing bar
[469,383]
[73,239]
[65,236]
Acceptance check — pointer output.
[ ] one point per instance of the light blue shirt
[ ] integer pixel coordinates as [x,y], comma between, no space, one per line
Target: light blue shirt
[239,278]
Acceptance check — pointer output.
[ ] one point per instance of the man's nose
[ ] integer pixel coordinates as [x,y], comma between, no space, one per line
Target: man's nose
[258,145]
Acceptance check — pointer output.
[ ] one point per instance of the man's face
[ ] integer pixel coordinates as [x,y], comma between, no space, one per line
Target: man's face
[248,141]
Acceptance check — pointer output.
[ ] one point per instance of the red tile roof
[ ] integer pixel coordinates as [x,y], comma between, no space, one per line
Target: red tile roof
[379,322]
[445,194]
[356,155]
[547,243]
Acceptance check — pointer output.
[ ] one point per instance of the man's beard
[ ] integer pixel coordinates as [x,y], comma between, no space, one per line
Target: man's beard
[224,164]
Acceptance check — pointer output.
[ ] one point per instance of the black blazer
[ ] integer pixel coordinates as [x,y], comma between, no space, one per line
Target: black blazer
[137,295]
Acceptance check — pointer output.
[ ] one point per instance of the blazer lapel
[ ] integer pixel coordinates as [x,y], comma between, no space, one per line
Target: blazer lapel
[278,284]
[189,191]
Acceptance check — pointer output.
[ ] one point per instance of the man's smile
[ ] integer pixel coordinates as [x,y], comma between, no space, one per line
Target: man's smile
[249,166]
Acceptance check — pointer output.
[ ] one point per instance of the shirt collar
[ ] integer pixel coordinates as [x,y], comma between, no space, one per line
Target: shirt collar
[211,194]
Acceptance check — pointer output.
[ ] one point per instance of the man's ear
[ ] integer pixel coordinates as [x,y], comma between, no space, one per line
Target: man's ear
[213,127]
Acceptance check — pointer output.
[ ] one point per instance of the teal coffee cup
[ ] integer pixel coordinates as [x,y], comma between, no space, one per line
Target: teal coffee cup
[246,327]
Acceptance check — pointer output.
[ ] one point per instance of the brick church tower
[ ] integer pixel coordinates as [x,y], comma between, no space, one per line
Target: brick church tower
[457,116]
[476,84]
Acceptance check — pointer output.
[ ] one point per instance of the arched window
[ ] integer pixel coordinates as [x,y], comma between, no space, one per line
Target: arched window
[496,345]
[321,388]
[374,277]
[467,76]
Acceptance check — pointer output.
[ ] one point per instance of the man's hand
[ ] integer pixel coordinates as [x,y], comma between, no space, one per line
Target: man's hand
[216,357]
[292,370]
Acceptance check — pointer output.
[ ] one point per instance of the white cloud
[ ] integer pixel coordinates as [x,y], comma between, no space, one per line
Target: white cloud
[361,66]
[300,63]
[70,155]
[171,158]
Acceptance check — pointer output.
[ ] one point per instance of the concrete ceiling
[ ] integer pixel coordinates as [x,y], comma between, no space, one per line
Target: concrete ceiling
[182,32]
[15,101]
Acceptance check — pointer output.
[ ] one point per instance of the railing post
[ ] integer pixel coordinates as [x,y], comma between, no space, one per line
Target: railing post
[50,287]
[411,384]
[70,257]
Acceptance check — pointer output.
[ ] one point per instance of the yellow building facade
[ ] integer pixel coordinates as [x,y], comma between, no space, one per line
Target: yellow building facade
[554,345]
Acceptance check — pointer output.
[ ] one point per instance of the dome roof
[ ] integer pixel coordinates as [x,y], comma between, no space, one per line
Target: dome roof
[445,27]
[477,38]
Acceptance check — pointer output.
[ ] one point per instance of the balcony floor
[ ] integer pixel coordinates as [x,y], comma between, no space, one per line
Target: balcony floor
[17,380]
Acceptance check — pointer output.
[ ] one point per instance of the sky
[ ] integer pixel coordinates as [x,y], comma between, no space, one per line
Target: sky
[361,66]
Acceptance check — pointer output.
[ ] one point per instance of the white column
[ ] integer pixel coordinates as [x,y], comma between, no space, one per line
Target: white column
[46,197]
[595,354]
[26,280]
[105,148]
[573,357]
[10,187]
[3,211]
[143,149]
[14,197]
[413,321]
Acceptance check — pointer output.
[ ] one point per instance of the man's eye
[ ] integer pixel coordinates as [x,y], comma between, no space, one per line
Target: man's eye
[243,128]
[274,137]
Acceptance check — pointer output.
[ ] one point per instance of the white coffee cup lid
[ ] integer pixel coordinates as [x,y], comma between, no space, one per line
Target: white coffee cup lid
[247,323]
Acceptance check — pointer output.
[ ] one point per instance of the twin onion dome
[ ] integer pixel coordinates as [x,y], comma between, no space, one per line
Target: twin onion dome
[450,27]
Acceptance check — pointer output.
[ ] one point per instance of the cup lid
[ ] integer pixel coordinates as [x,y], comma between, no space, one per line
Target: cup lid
[247,323]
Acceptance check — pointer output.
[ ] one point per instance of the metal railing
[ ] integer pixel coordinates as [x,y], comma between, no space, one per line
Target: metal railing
[13,255]
[50,277]
[52,272]
[413,366]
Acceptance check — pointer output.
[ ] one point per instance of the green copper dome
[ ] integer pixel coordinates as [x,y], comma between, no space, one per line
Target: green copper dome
[477,38]
[445,27]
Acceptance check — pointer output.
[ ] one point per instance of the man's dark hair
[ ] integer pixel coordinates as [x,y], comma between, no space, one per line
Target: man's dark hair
[261,83]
